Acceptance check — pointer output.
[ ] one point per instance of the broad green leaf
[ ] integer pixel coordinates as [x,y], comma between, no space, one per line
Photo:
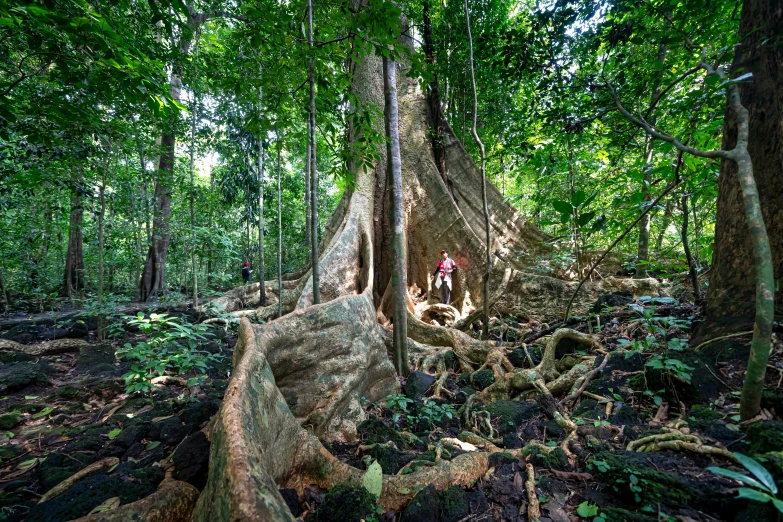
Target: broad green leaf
[578,198]
[113,433]
[562,207]
[737,476]
[758,470]
[586,509]
[752,494]
[585,218]
[373,479]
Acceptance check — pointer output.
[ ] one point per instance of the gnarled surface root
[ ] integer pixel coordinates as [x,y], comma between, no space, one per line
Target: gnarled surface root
[258,446]
[325,358]
[46,348]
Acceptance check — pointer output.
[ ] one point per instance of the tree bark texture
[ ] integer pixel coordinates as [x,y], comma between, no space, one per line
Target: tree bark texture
[399,270]
[732,292]
[74,258]
[153,276]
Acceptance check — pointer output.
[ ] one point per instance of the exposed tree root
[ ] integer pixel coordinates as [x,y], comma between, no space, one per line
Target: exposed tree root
[533,507]
[677,441]
[584,382]
[544,378]
[46,348]
[258,447]
[70,481]
[172,502]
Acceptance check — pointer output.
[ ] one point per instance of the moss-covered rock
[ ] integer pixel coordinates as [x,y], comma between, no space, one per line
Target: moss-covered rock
[19,375]
[417,384]
[462,395]
[10,420]
[615,373]
[390,459]
[463,380]
[773,461]
[625,415]
[125,482]
[507,415]
[424,506]
[500,459]
[519,359]
[555,459]
[7,452]
[69,392]
[431,505]
[482,378]
[374,431]
[554,430]
[588,408]
[346,503]
[632,476]
[454,504]
[765,436]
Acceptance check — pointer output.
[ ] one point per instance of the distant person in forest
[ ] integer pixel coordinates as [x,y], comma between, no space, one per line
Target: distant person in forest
[246,272]
[443,271]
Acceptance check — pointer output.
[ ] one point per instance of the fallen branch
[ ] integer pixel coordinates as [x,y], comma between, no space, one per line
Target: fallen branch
[70,481]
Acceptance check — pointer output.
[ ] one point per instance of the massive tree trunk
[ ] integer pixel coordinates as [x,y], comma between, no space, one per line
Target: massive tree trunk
[731,294]
[265,434]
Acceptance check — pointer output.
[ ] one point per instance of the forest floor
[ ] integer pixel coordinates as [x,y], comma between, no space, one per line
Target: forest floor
[61,413]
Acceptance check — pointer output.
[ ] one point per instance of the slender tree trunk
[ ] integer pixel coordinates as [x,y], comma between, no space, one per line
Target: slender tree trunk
[193,111]
[101,214]
[575,211]
[667,219]
[487,230]
[643,248]
[261,267]
[145,191]
[279,233]
[694,275]
[313,164]
[74,259]
[6,302]
[399,268]
[308,216]
[153,278]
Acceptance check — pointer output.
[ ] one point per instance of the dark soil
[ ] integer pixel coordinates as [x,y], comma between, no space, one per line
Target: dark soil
[60,413]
